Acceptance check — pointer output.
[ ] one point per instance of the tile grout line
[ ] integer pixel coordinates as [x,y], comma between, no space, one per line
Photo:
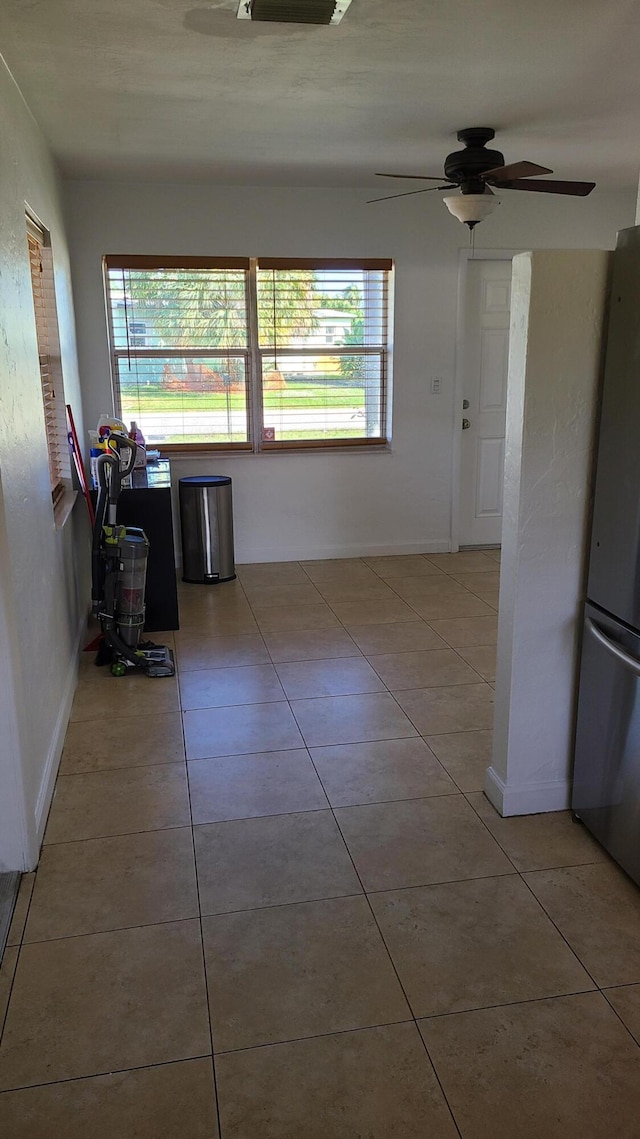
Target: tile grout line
[408,690]
[554,923]
[346,630]
[598,988]
[112,929]
[106,1072]
[374,892]
[330,695]
[603,993]
[314,1036]
[407,602]
[391,961]
[18,946]
[515,870]
[307,901]
[509,1004]
[123,767]
[402,710]
[181,711]
[521,875]
[202,948]
[366,895]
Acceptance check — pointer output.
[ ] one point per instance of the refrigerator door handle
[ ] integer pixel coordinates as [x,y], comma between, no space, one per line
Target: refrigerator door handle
[628,661]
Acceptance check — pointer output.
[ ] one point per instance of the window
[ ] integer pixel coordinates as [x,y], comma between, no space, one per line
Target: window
[250,354]
[46,318]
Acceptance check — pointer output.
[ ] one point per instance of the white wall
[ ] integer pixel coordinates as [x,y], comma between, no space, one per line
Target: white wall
[558,305]
[328,504]
[44,587]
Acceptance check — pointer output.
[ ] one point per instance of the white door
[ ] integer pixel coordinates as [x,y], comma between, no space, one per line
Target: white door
[482,419]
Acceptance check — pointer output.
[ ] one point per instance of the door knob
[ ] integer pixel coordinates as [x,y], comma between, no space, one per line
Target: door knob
[466,424]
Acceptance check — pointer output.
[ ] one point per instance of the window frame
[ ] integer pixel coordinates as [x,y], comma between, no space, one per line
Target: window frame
[254,354]
[49,362]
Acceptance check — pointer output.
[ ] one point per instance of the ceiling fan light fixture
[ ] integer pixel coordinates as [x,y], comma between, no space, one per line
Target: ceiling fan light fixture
[471,208]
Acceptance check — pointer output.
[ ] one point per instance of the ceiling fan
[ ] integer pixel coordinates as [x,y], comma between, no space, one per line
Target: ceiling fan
[475,170]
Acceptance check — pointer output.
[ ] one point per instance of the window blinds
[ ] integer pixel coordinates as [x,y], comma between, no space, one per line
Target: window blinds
[42,284]
[323,337]
[180,344]
[260,353]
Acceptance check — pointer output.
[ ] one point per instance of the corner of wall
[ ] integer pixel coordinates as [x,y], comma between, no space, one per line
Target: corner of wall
[555,367]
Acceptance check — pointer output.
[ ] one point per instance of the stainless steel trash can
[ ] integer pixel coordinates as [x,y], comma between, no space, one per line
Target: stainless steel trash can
[206,518]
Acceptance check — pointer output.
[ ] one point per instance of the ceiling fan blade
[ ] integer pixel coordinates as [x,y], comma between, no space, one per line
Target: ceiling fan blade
[421,177]
[408,193]
[575,189]
[515,170]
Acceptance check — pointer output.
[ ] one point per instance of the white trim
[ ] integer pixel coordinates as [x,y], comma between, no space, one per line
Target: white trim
[319,553]
[47,783]
[529,798]
[465,255]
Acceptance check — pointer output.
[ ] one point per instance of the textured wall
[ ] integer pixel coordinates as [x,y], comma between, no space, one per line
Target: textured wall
[329,505]
[43,571]
[557,318]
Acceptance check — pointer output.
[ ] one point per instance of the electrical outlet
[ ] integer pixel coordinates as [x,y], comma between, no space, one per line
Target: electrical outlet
[435,385]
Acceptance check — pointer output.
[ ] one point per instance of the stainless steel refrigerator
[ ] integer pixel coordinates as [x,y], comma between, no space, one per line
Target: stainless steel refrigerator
[606,788]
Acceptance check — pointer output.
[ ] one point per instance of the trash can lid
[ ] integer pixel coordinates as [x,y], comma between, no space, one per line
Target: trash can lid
[205,480]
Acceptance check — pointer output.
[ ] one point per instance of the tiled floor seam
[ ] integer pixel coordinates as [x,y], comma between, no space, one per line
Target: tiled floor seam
[545,911]
[611,1006]
[106,1072]
[393,965]
[508,1004]
[13,981]
[366,894]
[16,945]
[204,960]
[124,766]
[386,688]
[119,834]
[555,924]
[110,929]
[314,1036]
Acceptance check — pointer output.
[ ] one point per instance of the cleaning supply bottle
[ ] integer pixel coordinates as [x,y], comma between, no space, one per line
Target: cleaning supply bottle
[108,424]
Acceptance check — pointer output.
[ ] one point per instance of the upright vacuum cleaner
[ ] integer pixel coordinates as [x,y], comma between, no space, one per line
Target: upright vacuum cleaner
[119,570]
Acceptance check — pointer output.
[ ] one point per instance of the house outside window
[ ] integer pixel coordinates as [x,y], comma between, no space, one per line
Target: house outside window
[248,354]
[137,333]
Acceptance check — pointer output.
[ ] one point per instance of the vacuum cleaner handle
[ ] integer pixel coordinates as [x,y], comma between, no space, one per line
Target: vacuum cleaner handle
[124,441]
[97,562]
[112,457]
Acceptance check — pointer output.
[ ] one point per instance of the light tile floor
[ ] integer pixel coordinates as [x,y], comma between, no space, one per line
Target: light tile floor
[273,902]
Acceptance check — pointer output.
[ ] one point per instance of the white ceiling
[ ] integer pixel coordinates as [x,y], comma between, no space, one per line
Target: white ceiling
[164,89]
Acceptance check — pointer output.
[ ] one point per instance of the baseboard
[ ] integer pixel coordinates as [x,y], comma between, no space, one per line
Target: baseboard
[322,553]
[528,799]
[47,783]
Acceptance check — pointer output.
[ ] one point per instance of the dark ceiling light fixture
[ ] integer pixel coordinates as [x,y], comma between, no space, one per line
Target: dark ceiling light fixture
[293,11]
[476,169]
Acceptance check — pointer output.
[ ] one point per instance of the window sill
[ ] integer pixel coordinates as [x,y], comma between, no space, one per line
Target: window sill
[379,449]
[64,506]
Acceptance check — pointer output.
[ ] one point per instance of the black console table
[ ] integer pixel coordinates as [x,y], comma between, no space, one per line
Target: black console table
[147,504]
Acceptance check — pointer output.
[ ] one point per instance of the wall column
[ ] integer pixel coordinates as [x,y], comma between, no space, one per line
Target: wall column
[557,318]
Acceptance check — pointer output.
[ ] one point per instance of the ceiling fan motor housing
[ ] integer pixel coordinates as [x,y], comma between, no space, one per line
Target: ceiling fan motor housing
[466,166]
